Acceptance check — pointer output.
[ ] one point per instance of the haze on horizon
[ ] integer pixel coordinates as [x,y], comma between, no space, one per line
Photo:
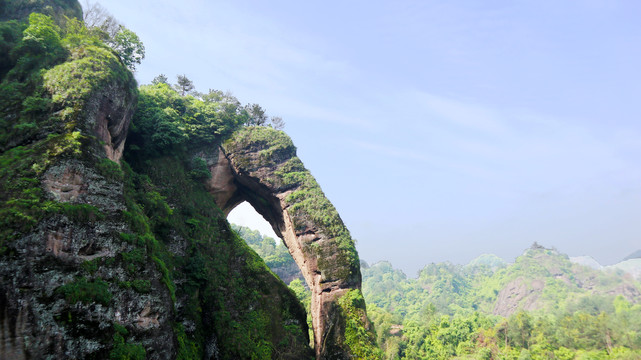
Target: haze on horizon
[440,130]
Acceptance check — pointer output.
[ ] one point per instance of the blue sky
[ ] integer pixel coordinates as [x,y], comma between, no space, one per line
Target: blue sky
[440,130]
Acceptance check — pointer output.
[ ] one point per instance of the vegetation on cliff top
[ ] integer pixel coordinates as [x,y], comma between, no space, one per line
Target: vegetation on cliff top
[46,75]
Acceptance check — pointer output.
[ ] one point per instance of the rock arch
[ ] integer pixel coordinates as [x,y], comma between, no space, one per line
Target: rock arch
[259,165]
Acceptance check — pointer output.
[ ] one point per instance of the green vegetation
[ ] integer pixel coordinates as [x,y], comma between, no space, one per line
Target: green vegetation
[452,311]
[280,261]
[360,341]
[86,291]
[47,73]
[166,200]
[57,9]
[274,253]
[123,350]
[271,154]
[51,70]
[168,123]
[215,284]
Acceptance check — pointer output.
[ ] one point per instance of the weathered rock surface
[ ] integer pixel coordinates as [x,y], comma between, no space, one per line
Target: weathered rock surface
[518,294]
[107,114]
[60,252]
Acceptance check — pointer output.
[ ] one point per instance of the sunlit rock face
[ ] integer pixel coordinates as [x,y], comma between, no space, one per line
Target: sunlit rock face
[107,114]
[259,165]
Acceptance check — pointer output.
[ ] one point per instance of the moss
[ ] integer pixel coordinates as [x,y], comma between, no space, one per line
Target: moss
[85,291]
[123,350]
[90,266]
[166,277]
[23,202]
[133,260]
[82,213]
[59,9]
[187,348]
[91,68]
[142,286]
[110,169]
[306,204]
[273,147]
[199,171]
[270,155]
[360,340]
[134,256]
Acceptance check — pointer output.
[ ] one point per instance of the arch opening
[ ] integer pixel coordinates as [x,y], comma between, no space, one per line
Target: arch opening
[260,236]
[245,215]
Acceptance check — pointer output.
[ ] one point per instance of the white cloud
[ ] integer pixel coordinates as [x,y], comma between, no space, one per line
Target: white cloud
[516,149]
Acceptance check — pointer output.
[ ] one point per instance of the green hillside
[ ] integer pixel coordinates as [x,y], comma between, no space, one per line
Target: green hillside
[273,252]
[540,307]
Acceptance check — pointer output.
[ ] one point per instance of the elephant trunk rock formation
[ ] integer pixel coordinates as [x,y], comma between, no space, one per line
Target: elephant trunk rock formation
[259,165]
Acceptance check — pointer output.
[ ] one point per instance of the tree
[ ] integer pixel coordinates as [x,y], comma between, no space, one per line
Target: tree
[41,45]
[124,42]
[257,115]
[184,85]
[278,123]
[519,329]
[129,47]
[98,18]
[160,79]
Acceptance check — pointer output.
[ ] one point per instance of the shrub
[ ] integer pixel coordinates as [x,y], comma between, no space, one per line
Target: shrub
[86,291]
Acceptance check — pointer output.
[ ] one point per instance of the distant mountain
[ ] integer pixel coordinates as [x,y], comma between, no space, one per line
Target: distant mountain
[544,279]
[539,280]
[634,255]
[545,305]
[586,260]
[490,260]
[631,266]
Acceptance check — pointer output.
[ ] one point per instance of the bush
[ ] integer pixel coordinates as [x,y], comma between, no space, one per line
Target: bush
[86,291]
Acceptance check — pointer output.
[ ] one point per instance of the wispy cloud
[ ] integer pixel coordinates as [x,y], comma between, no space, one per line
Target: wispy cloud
[466,115]
[423,156]
[516,149]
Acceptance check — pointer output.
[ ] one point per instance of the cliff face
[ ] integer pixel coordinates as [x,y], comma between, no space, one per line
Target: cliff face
[106,258]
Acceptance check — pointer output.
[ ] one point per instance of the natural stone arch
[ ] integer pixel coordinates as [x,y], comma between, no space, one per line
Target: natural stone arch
[259,165]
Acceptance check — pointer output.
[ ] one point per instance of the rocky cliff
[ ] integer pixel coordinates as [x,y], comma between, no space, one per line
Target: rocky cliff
[113,243]
[259,165]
